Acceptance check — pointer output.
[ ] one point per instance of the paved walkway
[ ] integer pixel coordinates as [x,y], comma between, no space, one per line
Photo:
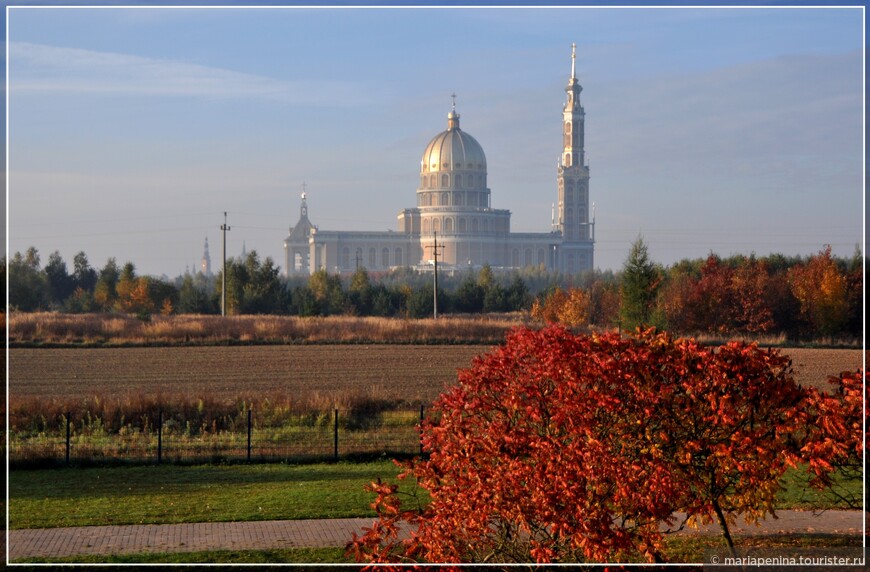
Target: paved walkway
[137,539]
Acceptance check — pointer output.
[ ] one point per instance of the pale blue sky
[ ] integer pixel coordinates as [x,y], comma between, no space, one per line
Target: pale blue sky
[131,131]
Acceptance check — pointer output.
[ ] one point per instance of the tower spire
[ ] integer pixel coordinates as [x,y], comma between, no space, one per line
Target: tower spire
[573,60]
[303,209]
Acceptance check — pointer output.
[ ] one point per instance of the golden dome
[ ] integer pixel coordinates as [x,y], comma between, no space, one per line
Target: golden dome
[453,150]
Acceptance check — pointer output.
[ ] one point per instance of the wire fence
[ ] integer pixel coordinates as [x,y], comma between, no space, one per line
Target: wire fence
[309,435]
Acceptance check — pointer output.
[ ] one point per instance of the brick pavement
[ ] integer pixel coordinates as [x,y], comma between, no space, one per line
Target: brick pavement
[136,539]
[190,537]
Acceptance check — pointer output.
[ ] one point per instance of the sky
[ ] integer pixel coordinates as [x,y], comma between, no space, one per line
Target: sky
[130,131]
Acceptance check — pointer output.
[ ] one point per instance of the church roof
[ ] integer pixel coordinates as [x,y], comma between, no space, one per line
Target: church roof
[453,149]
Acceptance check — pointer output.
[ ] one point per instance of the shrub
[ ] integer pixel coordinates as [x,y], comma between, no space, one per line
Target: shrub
[558,447]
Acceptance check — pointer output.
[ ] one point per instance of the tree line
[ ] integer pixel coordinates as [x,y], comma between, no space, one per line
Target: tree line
[800,297]
[253,286]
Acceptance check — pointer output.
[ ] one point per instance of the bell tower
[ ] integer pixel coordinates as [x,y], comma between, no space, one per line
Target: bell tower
[573,181]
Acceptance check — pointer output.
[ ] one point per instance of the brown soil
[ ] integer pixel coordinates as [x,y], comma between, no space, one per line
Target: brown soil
[408,372]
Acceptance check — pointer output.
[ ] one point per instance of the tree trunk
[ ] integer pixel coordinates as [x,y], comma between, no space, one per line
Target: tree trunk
[723,523]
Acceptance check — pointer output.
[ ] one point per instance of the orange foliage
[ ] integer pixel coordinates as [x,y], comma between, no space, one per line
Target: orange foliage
[571,308]
[558,447]
[822,291]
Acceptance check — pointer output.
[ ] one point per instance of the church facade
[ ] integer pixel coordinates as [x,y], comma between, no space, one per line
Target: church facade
[454,217]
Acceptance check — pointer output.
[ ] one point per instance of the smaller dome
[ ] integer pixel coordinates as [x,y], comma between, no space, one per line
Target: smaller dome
[453,149]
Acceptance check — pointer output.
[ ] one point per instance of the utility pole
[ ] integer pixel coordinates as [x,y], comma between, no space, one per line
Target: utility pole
[224,228]
[435,246]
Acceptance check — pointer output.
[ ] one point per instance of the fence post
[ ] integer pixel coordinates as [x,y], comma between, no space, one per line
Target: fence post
[159,436]
[421,429]
[335,434]
[68,423]
[249,435]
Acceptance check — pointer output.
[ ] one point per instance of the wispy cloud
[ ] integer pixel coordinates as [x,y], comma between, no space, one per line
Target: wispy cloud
[39,68]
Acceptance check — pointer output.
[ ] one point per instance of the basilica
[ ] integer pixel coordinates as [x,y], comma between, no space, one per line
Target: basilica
[454,219]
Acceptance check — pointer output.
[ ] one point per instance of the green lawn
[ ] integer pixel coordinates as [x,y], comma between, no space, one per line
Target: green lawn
[204,493]
[218,493]
[277,556]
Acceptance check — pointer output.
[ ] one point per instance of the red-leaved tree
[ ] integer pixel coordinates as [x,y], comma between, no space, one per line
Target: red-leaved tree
[835,441]
[563,447]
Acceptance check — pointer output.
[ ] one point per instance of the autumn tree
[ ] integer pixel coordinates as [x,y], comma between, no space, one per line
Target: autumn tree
[561,447]
[125,287]
[105,292]
[604,303]
[834,443]
[750,284]
[821,289]
[571,308]
[710,306]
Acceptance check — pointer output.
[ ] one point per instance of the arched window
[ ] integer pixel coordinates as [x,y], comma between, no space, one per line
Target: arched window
[385,258]
[445,199]
[459,198]
[448,225]
[398,259]
[373,257]
[445,181]
[528,257]
[432,181]
[567,159]
[358,258]
[461,225]
[486,225]
[474,226]
[425,226]
[436,225]
[457,180]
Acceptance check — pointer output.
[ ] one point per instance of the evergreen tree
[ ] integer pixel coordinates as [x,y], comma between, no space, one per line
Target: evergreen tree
[60,283]
[640,282]
[28,287]
[193,299]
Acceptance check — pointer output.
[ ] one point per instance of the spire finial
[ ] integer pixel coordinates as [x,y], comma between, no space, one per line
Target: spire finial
[453,117]
[303,190]
[573,60]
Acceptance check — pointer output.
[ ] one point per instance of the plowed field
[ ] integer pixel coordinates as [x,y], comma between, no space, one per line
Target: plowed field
[410,373]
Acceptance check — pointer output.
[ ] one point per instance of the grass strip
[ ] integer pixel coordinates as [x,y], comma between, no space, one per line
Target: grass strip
[276,556]
[168,494]
[679,549]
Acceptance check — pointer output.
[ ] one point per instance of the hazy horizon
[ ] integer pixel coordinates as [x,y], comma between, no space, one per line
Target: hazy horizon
[131,131]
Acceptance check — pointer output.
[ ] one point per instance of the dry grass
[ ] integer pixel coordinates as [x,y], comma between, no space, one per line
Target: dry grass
[39,328]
